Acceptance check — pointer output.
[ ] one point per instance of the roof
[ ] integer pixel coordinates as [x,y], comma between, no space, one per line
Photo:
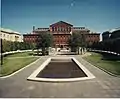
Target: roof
[61,22]
[30,34]
[42,28]
[9,31]
[78,27]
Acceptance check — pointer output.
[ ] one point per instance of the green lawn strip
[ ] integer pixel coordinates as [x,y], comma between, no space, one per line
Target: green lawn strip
[109,65]
[11,65]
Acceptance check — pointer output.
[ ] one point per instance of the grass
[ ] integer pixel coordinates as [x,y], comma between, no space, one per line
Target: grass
[12,64]
[108,62]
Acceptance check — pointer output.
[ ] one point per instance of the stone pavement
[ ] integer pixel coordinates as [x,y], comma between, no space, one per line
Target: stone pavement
[17,86]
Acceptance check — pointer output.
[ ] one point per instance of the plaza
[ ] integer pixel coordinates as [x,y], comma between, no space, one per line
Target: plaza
[102,86]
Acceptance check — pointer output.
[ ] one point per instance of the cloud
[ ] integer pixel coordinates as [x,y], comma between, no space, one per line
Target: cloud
[72,4]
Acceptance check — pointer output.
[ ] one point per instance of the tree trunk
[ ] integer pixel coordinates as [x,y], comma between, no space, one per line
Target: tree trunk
[43,51]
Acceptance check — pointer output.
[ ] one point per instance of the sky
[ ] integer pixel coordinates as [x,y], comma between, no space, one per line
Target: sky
[96,15]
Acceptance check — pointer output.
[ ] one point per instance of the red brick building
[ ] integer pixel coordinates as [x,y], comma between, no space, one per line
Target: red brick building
[61,32]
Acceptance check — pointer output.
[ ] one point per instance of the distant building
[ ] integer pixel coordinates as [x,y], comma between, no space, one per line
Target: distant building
[61,32]
[92,38]
[10,35]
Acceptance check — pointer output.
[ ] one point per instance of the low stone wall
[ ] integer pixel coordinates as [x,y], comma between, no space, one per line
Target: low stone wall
[105,52]
[18,51]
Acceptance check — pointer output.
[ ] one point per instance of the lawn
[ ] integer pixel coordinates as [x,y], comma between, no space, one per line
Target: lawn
[108,62]
[12,64]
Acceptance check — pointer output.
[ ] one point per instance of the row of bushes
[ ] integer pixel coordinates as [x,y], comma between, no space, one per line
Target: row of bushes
[108,45]
[13,46]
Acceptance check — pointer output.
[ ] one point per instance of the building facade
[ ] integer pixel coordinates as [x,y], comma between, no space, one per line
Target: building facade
[61,32]
[9,35]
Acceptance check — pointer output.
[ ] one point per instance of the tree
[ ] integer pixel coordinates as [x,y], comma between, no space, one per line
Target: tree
[13,46]
[115,34]
[76,40]
[108,45]
[106,35]
[44,41]
[6,46]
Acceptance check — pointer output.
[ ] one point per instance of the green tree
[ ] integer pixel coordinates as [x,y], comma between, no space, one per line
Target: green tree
[44,41]
[115,34]
[76,40]
[5,46]
[13,46]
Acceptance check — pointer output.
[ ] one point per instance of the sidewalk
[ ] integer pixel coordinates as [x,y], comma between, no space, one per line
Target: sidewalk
[103,86]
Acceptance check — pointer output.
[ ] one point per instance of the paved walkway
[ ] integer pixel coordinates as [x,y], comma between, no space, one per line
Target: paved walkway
[104,85]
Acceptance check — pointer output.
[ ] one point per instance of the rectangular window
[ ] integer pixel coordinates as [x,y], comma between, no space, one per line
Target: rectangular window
[57,29]
[52,28]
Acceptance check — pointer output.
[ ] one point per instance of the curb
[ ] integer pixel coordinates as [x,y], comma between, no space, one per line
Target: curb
[20,69]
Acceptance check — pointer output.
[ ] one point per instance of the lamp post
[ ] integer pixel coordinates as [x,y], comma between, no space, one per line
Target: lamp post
[1,55]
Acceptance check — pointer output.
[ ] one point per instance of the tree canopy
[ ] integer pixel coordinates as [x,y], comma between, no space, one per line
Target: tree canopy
[13,46]
[76,40]
[44,40]
[109,44]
